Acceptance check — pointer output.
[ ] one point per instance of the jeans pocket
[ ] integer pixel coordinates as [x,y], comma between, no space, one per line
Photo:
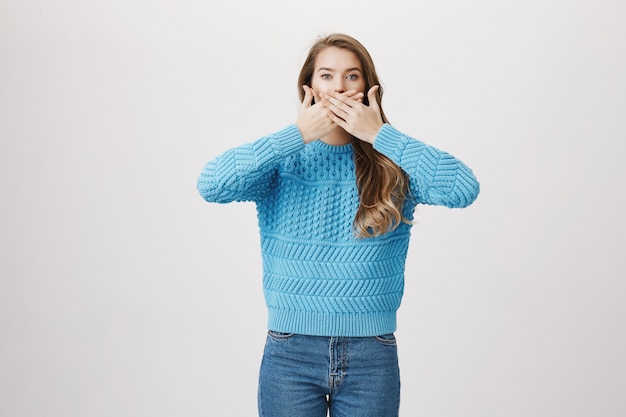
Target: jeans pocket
[386,339]
[279,335]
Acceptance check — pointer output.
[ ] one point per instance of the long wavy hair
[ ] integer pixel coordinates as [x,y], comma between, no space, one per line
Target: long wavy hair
[382,185]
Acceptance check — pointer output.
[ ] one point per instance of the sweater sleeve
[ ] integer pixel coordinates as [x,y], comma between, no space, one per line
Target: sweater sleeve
[246,173]
[435,177]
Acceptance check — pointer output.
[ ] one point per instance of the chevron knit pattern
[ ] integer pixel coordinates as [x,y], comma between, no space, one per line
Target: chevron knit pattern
[318,277]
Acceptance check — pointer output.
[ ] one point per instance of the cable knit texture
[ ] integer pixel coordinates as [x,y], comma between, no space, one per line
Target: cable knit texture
[318,277]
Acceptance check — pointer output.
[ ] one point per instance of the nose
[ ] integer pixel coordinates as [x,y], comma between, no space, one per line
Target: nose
[339,85]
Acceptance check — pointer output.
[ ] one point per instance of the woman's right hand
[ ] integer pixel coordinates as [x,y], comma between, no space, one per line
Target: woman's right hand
[313,120]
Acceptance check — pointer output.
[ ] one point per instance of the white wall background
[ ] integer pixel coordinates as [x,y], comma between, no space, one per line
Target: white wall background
[124,294]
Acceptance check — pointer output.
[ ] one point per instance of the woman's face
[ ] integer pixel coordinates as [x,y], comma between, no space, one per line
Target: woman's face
[337,69]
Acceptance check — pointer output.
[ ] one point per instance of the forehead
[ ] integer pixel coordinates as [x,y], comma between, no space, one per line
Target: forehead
[337,59]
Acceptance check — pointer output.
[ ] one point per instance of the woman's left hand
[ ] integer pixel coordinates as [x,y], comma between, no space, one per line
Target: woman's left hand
[361,121]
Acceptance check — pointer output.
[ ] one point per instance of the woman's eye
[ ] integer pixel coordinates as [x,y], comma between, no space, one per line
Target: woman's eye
[352,77]
[326,77]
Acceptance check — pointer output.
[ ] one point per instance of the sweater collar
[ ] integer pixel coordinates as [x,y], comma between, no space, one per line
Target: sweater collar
[334,149]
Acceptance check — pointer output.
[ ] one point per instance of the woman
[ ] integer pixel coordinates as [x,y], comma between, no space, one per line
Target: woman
[335,194]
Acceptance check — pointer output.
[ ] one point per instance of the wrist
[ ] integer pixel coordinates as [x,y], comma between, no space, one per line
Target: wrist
[305,137]
[372,136]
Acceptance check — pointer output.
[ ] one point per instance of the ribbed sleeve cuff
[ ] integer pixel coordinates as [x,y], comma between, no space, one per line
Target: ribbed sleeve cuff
[287,141]
[390,142]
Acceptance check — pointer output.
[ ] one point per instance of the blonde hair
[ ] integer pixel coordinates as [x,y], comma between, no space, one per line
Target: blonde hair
[382,185]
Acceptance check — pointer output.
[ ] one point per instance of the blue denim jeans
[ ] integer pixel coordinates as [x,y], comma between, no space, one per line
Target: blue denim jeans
[309,376]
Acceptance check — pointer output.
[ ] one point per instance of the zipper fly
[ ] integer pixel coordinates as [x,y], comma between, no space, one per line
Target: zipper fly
[337,350]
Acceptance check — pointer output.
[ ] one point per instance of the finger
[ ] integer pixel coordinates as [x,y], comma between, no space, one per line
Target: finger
[337,106]
[354,95]
[340,101]
[343,97]
[371,96]
[308,97]
[350,96]
[336,119]
[358,97]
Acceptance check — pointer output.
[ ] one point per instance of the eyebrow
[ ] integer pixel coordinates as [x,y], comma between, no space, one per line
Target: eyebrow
[332,70]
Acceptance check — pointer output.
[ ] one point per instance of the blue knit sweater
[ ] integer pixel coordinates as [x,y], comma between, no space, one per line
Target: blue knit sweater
[318,277]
